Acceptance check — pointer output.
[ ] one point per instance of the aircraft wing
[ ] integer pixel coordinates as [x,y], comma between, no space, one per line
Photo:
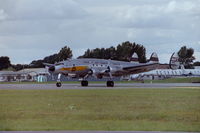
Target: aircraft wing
[141,68]
[152,64]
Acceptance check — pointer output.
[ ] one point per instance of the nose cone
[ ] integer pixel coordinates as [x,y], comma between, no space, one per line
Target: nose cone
[52,68]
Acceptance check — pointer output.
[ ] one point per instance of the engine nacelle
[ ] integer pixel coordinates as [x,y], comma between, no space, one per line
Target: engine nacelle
[99,76]
[93,72]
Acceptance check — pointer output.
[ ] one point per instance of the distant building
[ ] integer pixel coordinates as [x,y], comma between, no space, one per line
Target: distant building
[35,74]
[8,76]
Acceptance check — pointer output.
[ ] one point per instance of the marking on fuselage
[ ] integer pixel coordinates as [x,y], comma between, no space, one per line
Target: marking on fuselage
[75,68]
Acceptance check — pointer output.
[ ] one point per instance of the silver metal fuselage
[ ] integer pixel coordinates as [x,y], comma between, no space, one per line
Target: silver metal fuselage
[81,67]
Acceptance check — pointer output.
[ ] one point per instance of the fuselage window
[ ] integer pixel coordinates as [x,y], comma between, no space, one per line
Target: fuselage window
[157,72]
[165,73]
[175,73]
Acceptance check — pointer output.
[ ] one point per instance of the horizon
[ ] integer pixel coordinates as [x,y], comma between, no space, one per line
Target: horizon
[147,57]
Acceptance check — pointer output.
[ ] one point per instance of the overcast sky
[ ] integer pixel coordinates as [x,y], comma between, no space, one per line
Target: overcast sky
[33,29]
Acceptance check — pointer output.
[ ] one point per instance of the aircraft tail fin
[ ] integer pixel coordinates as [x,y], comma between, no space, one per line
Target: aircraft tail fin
[134,58]
[154,58]
[174,61]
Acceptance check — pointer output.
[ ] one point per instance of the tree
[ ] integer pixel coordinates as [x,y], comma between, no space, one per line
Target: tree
[186,56]
[100,53]
[196,63]
[122,52]
[126,50]
[18,67]
[65,53]
[37,63]
[4,62]
[51,59]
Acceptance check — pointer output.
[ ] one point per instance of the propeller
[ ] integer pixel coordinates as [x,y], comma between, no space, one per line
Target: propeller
[50,68]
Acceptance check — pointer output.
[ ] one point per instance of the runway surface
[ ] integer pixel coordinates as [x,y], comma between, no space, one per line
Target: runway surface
[101,86]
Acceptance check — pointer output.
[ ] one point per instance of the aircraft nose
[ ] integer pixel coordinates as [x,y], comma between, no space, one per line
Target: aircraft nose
[52,68]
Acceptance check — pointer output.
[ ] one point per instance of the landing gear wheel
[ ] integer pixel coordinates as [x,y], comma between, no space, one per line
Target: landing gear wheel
[58,84]
[110,83]
[84,83]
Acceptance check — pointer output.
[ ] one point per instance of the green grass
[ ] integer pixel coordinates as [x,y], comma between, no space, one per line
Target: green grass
[107,109]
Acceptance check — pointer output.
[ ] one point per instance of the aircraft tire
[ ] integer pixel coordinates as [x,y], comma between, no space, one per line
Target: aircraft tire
[84,83]
[58,84]
[110,83]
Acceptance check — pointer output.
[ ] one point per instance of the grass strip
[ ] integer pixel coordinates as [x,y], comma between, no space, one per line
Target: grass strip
[105,109]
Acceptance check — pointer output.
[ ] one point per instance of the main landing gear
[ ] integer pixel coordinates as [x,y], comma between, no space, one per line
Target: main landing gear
[84,83]
[110,83]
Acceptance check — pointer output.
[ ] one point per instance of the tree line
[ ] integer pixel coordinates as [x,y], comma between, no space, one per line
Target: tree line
[64,54]
[122,52]
[186,57]
[4,62]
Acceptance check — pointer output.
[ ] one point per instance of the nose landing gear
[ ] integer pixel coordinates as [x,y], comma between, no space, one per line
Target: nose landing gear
[84,83]
[58,84]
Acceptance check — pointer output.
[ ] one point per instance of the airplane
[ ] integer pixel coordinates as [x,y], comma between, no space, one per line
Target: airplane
[176,69]
[99,68]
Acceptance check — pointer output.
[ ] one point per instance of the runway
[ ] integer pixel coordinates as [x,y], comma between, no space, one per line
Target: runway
[101,86]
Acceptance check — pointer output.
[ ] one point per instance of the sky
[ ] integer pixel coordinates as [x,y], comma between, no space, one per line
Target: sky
[33,29]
